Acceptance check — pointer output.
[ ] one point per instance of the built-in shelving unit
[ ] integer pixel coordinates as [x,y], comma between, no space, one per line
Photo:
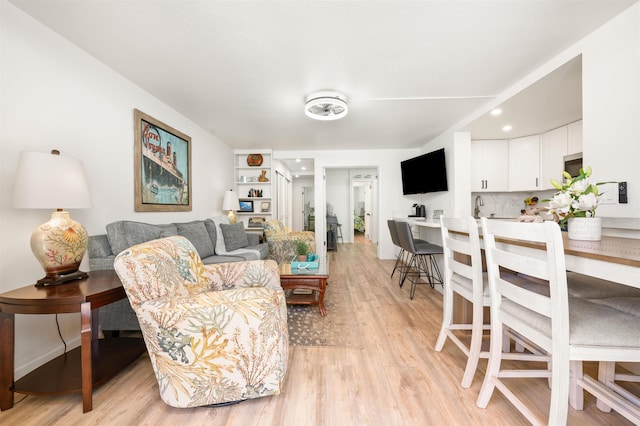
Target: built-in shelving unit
[255,194]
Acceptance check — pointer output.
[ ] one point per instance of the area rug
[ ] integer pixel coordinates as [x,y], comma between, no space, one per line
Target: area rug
[308,328]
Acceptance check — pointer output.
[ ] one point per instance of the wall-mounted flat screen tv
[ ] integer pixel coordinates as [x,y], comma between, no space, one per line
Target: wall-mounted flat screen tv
[425,173]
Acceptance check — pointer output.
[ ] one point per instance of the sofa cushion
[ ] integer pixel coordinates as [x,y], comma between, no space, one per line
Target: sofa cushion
[99,246]
[124,234]
[196,233]
[234,236]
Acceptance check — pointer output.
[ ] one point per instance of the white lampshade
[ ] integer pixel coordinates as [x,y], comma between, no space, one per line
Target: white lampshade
[51,181]
[230,201]
[46,181]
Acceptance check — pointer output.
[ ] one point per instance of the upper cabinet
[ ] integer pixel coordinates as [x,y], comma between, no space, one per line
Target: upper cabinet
[554,145]
[574,135]
[524,163]
[489,165]
[553,148]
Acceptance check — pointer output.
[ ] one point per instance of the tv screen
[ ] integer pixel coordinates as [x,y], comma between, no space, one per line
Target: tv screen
[425,173]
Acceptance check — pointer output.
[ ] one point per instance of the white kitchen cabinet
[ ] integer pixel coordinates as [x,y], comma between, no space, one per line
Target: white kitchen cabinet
[553,148]
[524,163]
[574,135]
[489,165]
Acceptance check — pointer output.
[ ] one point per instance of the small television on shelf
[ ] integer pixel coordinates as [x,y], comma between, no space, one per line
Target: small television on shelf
[425,173]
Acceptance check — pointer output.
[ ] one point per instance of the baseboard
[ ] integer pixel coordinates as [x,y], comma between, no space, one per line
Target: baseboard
[24,369]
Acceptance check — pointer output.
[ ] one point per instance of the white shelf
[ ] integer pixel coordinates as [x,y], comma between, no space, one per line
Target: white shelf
[242,187]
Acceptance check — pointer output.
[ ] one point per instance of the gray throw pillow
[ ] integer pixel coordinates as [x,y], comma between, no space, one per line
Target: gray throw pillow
[196,232]
[234,236]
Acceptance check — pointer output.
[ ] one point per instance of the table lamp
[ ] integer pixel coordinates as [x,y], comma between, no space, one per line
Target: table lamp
[231,203]
[53,181]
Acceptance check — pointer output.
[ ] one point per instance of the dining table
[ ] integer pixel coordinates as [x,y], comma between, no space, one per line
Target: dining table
[612,258]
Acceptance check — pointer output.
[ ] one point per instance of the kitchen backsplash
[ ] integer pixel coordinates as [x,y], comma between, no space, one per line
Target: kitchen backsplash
[506,204]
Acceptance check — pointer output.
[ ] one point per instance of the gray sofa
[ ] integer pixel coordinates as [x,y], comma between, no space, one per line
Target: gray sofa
[205,235]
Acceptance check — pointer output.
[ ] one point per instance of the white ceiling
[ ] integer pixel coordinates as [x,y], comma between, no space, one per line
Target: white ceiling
[242,69]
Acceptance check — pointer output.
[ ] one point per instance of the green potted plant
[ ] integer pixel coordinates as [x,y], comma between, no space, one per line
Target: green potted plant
[301,250]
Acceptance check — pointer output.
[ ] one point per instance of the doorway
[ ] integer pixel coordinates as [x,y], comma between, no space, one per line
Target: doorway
[351,196]
[363,194]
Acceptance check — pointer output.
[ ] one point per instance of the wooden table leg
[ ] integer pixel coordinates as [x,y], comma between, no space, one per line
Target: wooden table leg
[323,285]
[85,342]
[7,354]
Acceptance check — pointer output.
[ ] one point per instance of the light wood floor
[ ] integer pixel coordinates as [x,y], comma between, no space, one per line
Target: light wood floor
[392,376]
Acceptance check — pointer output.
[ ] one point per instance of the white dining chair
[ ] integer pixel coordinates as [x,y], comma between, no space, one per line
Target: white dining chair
[463,275]
[572,330]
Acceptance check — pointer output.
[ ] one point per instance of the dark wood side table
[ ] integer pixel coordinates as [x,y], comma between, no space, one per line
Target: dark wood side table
[91,364]
[313,280]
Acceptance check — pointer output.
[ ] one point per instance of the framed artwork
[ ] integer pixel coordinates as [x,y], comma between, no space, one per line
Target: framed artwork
[246,206]
[256,222]
[265,206]
[162,168]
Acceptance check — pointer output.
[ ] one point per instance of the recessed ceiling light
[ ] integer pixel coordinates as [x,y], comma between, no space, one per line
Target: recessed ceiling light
[297,176]
[298,160]
[496,112]
[303,168]
[506,128]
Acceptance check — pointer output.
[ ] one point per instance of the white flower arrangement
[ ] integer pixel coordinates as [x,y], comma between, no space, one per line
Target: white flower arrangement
[577,197]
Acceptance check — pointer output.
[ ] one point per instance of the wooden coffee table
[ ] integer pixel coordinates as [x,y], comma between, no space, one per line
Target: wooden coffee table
[307,285]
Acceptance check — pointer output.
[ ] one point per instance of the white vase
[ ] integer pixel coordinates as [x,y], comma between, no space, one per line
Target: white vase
[585,228]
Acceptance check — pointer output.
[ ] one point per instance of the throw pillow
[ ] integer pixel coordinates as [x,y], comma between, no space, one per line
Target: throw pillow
[234,236]
[196,232]
[218,220]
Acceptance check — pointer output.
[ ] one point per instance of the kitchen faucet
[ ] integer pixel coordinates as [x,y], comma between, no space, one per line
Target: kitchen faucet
[476,211]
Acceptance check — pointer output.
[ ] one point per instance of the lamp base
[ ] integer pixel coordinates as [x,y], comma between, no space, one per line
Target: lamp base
[233,219]
[61,278]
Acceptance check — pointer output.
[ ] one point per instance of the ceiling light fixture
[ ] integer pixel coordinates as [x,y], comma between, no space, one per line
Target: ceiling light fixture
[326,106]
[507,128]
[496,112]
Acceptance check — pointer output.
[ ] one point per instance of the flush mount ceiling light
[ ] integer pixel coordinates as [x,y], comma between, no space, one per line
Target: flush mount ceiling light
[326,106]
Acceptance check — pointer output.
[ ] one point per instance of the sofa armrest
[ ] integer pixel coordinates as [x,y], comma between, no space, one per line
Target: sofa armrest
[253,273]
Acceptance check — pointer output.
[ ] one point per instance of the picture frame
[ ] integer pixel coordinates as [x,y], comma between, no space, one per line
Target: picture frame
[256,222]
[265,206]
[162,166]
[246,206]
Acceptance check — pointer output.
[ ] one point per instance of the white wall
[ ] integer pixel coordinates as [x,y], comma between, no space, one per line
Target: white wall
[611,107]
[55,96]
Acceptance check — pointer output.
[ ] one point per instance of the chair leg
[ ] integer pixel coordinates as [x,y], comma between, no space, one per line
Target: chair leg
[559,406]
[475,346]
[447,318]
[435,271]
[606,375]
[493,366]
[407,267]
[415,260]
[576,394]
[398,259]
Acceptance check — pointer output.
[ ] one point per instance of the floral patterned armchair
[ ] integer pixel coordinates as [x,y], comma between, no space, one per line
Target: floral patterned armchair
[214,333]
[282,242]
